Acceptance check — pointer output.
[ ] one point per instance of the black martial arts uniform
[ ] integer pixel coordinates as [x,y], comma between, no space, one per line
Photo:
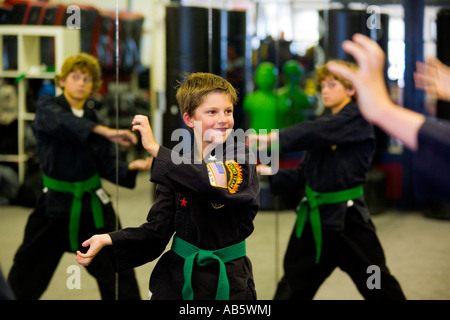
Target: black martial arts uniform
[211,205]
[340,150]
[432,159]
[69,152]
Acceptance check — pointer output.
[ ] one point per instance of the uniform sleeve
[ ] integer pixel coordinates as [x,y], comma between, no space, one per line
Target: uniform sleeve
[286,180]
[327,131]
[133,247]
[432,160]
[228,180]
[105,155]
[60,123]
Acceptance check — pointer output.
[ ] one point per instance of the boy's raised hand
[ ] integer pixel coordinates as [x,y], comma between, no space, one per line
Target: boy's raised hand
[373,98]
[369,78]
[140,123]
[434,77]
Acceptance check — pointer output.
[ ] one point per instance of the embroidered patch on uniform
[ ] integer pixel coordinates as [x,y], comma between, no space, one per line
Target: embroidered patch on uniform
[217,205]
[217,174]
[235,175]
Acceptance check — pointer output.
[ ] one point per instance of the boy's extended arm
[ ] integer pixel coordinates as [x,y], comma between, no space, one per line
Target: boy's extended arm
[133,246]
[261,141]
[59,122]
[123,137]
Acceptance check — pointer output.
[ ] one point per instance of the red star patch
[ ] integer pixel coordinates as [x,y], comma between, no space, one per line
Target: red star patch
[183,202]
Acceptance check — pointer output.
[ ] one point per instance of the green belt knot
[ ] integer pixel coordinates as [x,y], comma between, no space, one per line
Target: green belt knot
[309,207]
[191,254]
[77,189]
[312,199]
[205,257]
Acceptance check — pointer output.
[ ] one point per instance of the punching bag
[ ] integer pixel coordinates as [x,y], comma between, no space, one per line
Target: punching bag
[239,71]
[341,24]
[195,42]
[186,52]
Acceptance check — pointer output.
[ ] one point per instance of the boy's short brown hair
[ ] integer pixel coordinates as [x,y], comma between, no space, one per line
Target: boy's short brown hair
[84,62]
[322,73]
[197,86]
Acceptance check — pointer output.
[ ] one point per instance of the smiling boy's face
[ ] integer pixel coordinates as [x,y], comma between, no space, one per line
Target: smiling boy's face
[212,119]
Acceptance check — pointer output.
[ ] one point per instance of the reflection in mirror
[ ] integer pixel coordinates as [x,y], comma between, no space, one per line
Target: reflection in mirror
[144,49]
[83,148]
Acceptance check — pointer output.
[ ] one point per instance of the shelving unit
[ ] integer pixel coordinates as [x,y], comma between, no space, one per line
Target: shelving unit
[66,43]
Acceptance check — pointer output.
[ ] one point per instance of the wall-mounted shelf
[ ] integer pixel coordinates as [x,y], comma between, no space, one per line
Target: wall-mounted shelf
[66,42]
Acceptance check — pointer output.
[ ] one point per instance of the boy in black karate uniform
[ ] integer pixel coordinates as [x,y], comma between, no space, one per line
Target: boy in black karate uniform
[208,198]
[333,227]
[74,151]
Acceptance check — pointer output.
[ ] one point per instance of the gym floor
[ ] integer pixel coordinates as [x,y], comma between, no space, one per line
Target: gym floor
[417,250]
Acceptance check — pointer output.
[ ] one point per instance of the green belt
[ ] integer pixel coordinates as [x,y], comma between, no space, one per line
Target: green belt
[78,188]
[312,201]
[193,254]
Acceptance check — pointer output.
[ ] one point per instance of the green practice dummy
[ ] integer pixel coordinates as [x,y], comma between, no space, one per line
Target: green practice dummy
[294,103]
[262,104]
